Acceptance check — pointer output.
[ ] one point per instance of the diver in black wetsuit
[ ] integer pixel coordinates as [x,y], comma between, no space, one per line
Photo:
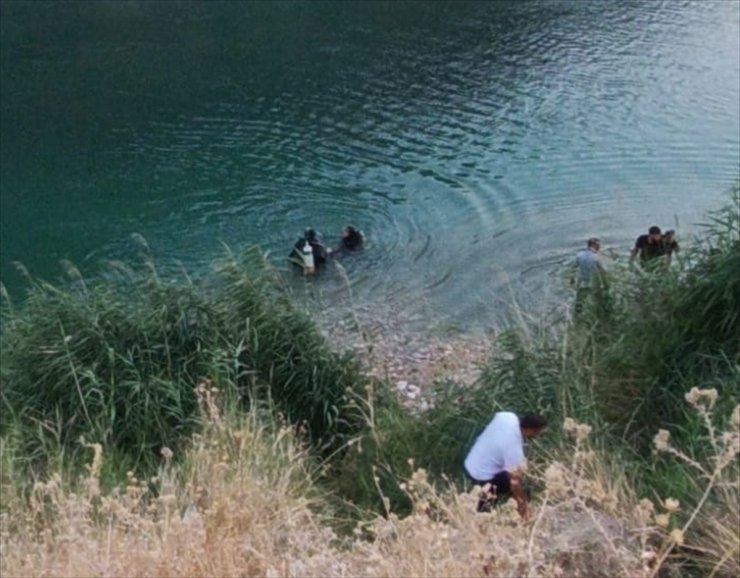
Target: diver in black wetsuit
[320,253]
[352,240]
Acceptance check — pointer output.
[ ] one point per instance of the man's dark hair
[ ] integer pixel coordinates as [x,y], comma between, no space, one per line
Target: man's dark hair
[654,230]
[532,421]
[354,239]
[309,234]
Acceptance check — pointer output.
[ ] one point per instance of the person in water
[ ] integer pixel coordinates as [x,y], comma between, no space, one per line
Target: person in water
[670,245]
[320,253]
[590,275]
[650,247]
[352,240]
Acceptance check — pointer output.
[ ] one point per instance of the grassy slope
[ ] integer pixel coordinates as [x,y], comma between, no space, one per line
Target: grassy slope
[119,361]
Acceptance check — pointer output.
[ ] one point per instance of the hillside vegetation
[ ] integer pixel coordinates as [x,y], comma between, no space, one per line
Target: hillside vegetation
[165,427]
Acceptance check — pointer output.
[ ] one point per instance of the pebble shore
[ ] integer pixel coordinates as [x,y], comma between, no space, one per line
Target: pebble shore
[410,360]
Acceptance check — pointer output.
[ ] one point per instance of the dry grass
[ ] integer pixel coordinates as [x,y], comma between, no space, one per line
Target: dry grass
[244,504]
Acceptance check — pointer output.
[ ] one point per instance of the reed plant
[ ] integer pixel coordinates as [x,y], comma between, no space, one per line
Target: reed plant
[280,345]
[668,331]
[116,365]
[628,365]
[117,359]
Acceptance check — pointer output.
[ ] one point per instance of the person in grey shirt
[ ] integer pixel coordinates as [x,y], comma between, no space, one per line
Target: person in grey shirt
[591,274]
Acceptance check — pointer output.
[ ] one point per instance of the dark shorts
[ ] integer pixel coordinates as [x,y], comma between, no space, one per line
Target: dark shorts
[500,483]
[498,492]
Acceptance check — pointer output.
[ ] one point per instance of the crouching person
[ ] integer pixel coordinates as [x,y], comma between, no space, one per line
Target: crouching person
[497,456]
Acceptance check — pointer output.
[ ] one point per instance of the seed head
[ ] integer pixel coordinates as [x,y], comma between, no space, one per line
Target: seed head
[697,396]
[677,536]
[671,505]
[662,520]
[735,419]
[661,440]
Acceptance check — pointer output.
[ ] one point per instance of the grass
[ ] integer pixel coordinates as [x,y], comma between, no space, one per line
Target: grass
[626,371]
[242,500]
[117,360]
[129,364]
[282,346]
[225,507]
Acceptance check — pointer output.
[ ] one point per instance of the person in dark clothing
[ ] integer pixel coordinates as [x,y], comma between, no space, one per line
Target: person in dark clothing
[670,245]
[352,240]
[649,246]
[320,254]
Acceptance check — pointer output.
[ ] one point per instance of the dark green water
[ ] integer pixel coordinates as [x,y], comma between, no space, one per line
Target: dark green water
[477,144]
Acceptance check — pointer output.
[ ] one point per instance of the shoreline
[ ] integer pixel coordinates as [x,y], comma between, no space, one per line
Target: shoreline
[411,359]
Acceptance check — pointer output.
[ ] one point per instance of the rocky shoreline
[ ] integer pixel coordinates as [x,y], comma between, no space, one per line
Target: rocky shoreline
[410,360]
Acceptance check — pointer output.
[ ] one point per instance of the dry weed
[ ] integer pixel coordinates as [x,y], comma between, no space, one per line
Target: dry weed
[241,506]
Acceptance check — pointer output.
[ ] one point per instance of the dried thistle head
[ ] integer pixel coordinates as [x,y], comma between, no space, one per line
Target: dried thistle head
[578,431]
[556,479]
[644,510]
[729,448]
[582,432]
[569,425]
[418,478]
[677,536]
[662,440]
[671,505]
[662,520]
[705,398]
[735,419]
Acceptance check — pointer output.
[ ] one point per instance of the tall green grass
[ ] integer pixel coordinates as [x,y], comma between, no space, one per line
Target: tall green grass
[629,366]
[279,345]
[670,331]
[117,359]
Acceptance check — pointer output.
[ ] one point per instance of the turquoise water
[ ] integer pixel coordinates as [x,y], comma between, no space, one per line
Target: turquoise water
[477,144]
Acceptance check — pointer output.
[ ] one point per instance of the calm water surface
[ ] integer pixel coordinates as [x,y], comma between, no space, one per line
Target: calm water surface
[477,144]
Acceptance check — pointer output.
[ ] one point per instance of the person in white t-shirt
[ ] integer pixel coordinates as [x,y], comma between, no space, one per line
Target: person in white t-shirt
[497,456]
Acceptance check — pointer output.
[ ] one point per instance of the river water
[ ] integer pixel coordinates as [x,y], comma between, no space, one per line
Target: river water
[477,144]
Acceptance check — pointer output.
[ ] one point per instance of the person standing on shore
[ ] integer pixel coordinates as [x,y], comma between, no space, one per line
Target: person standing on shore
[649,246]
[496,459]
[591,275]
[670,245]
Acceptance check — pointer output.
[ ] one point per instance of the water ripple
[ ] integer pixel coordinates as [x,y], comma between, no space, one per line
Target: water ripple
[476,144]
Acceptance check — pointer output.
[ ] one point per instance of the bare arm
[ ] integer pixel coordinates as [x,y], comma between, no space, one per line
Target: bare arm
[517,491]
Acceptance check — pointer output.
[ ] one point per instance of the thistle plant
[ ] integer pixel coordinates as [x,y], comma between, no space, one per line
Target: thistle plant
[715,517]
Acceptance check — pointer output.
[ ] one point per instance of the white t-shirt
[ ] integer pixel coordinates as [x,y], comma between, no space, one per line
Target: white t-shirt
[500,447]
